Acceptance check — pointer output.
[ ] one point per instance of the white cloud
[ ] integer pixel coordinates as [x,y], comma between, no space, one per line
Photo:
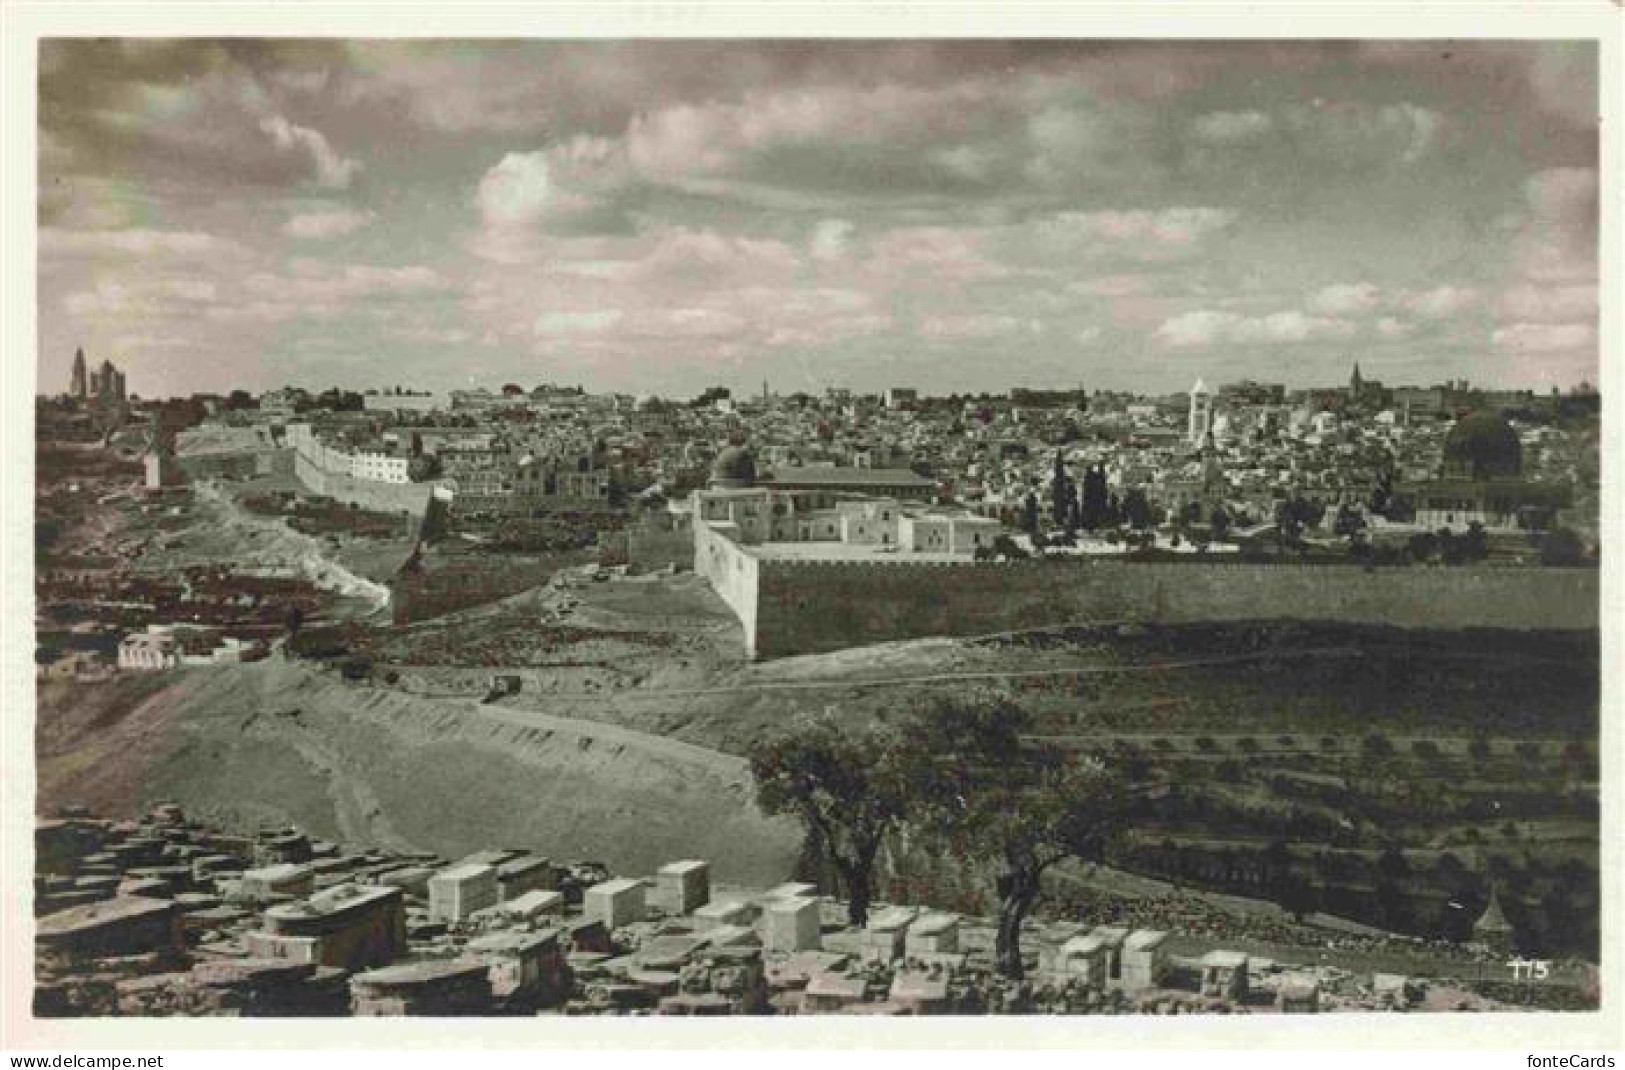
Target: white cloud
[830,238]
[1205,328]
[1545,337]
[1531,302]
[973,326]
[134,242]
[320,225]
[1389,327]
[332,170]
[1442,302]
[1345,299]
[1166,226]
[556,323]
[1227,127]
[516,191]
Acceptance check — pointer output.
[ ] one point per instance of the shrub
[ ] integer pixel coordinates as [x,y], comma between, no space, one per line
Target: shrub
[1206,744]
[1425,748]
[1286,740]
[1248,744]
[1377,745]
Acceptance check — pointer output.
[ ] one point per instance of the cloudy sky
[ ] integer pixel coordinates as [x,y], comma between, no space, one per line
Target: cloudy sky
[659,216]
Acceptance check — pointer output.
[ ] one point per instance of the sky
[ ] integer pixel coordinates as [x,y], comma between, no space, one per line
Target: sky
[654,217]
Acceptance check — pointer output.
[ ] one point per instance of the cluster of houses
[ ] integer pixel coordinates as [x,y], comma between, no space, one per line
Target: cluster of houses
[165,916]
[1244,447]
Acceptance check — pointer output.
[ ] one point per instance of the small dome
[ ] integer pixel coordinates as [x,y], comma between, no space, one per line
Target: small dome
[734,467]
[1482,445]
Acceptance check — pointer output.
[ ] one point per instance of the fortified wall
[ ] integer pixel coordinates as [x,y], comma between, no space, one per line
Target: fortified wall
[366,493]
[734,575]
[802,607]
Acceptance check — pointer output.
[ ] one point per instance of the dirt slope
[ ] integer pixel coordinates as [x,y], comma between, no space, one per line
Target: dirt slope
[279,742]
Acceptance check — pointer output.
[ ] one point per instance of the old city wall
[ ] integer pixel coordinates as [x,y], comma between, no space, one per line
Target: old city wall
[733,574]
[364,493]
[809,607]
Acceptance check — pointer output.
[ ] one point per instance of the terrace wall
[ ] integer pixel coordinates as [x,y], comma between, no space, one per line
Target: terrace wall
[807,607]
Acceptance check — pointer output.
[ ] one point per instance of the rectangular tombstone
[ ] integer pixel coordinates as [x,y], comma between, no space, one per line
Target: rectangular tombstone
[726,912]
[527,873]
[793,925]
[682,887]
[1145,962]
[884,936]
[933,934]
[287,878]
[1083,958]
[615,903]
[532,904]
[456,893]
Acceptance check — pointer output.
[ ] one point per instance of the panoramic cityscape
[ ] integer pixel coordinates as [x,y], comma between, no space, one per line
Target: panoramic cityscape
[816,528]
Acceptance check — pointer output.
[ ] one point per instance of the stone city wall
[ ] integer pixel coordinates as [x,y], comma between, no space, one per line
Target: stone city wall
[364,493]
[733,574]
[807,607]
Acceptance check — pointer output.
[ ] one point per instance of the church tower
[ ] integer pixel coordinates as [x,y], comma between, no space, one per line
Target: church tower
[1356,383]
[79,384]
[1201,416]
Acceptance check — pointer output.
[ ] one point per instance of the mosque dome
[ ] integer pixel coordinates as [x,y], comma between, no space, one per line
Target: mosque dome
[1482,445]
[734,467]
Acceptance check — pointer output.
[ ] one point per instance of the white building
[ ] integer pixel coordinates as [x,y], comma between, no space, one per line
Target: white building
[1201,414]
[148,652]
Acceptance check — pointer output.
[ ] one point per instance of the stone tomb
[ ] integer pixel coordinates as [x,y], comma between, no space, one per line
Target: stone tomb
[791,925]
[886,933]
[1145,960]
[615,903]
[1083,958]
[933,934]
[284,878]
[1224,975]
[724,913]
[456,893]
[682,887]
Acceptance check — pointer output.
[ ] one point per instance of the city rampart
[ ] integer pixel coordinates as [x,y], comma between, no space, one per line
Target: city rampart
[365,493]
[800,607]
[733,574]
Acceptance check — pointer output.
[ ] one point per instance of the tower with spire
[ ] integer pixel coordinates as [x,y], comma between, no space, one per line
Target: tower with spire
[1356,383]
[79,382]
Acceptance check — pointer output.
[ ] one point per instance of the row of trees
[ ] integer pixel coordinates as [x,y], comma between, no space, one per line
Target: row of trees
[959,773]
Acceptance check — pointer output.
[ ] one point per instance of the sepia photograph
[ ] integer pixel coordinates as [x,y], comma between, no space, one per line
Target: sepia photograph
[812,526]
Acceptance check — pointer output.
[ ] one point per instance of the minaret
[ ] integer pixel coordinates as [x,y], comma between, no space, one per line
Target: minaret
[1201,418]
[78,385]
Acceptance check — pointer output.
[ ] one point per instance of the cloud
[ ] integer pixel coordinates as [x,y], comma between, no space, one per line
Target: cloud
[136,241]
[1545,337]
[1206,328]
[987,325]
[331,169]
[331,223]
[1389,327]
[1227,127]
[1538,303]
[1442,302]
[556,323]
[1165,226]
[1557,241]
[830,238]
[1345,299]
